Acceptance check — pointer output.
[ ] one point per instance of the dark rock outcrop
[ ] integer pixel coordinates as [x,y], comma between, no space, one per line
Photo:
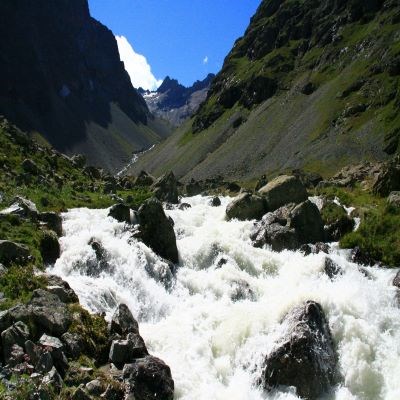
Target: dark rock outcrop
[49,247]
[11,252]
[246,206]
[166,188]
[157,230]
[306,357]
[120,212]
[52,221]
[150,378]
[388,180]
[123,321]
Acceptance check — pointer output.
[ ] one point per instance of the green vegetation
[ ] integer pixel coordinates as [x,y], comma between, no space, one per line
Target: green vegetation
[379,231]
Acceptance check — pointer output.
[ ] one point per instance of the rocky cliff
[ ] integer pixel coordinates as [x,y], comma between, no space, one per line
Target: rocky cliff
[176,103]
[312,84]
[61,76]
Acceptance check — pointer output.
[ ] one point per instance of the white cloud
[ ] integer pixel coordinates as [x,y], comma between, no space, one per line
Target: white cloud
[137,66]
[205,60]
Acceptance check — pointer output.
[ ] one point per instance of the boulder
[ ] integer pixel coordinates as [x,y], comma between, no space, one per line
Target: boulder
[246,206]
[144,179]
[101,263]
[121,212]
[166,188]
[215,201]
[319,247]
[331,268]
[305,357]
[73,344]
[48,312]
[45,363]
[56,348]
[394,199]
[388,179]
[61,289]
[184,206]
[307,222]
[11,252]
[361,257]
[17,334]
[30,167]
[53,379]
[22,207]
[123,321]
[49,247]
[52,221]
[157,231]
[283,190]
[150,378]
[126,351]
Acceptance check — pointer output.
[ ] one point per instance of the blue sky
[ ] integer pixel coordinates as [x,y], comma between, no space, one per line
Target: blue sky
[185,39]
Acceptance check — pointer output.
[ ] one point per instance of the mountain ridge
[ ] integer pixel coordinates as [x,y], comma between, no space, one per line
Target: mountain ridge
[311,84]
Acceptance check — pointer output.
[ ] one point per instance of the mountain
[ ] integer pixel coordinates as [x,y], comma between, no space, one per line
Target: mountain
[312,84]
[176,103]
[61,77]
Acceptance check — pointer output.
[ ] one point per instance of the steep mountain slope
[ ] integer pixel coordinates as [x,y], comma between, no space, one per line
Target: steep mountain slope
[176,103]
[312,84]
[61,75]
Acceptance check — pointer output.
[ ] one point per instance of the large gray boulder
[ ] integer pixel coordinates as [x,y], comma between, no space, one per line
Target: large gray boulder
[305,357]
[22,207]
[52,221]
[166,188]
[11,252]
[17,334]
[126,351]
[157,230]
[123,321]
[49,247]
[246,206]
[307,222]
[283,190]
[150,378]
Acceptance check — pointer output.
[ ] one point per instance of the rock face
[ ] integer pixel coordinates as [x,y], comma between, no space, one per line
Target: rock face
[157,230]
[283,190]
[175,102]
[246,206]
[150,378]
[388,180]
[289,227]
[306,358]
[62,76]
[166,188]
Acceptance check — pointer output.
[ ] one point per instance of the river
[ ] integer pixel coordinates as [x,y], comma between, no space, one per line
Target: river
[216,320]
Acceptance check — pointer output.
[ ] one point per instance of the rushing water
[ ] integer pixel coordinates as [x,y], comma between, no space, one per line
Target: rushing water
[221,315]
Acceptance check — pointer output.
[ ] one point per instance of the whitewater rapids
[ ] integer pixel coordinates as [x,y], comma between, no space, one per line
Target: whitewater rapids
[222,314]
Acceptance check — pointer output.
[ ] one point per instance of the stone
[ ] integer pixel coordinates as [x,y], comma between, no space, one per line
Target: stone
[396,280]
[121,212]
[283,190]
[52,221]
[150,378]
[246,206]
[331,268]
[22,207]
[53,379]
[49,247]
[307,222]
[123,321]
[30,167]
[44,363]
[94,387]
[166,188]
[101,263]
[17,334]
[125,351]
[11,252]
[361,257]
[16,357]
[278,237]
[184,206]
[49,313]
[61,289]
[215,201]
[394,199]
[388,179]
[73,344]
[305,357]
[33,351]
[157,231]
[144,179]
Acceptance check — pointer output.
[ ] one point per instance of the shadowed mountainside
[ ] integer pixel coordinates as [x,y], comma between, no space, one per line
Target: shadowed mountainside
[61,76]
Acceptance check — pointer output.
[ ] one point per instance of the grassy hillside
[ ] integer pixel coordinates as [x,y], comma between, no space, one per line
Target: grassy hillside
[312,84]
